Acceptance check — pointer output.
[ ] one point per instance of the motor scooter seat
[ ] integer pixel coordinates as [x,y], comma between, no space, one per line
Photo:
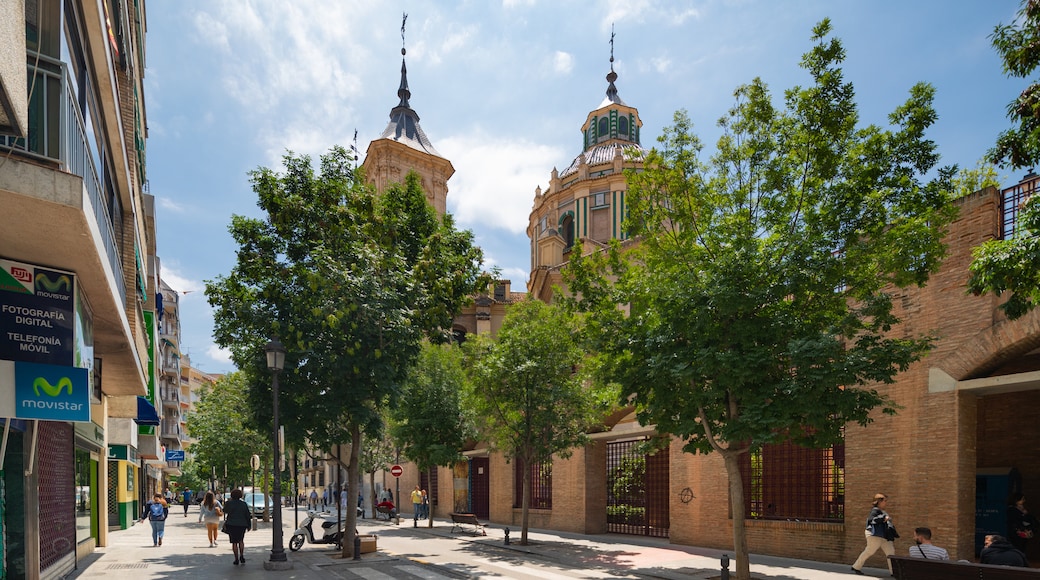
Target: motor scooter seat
[327,524]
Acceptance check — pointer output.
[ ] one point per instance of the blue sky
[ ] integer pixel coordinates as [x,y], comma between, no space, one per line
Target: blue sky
[502,89]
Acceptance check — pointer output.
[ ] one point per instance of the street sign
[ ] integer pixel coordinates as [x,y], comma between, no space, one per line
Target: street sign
[396,471]
[174,455]
[254,462]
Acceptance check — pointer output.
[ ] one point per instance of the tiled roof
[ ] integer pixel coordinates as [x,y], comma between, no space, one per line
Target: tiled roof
[601,154]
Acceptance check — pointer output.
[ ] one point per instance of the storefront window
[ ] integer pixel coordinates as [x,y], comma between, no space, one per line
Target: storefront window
[84,474]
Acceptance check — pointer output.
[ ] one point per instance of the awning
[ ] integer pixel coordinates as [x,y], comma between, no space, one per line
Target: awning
[146,414]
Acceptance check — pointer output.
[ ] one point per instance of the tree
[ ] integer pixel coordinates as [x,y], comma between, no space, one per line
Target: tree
[377,454]
[758,302]
[527,399]
[431,427]
[352,281]
[222,416]
[1011,265]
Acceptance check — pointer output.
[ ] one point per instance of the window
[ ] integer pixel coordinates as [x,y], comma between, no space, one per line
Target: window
[567,229]
[543,224]
[429,484]
[600,199]
[790,482]
[604,128]
[541,485]
[622,126]
[1012,201]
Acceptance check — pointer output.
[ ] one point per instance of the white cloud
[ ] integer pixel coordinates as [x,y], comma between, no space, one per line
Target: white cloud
[175,280]
[219,355]
[495,178]
[563,63]
[517,3]
[168,204]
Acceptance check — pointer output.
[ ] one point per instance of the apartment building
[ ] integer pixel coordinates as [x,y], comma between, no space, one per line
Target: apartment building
[77,283]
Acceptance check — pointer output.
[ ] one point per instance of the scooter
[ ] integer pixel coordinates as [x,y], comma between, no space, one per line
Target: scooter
[331,533]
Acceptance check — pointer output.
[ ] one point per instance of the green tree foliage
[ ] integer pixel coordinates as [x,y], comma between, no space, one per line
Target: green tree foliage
[352,281]
[759,301]
[526,396]
[1011,265]
[431,426]
[1019,47]
[225,433]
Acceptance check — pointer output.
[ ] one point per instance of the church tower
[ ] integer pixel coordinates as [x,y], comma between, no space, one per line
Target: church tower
[404,146]
[586,201]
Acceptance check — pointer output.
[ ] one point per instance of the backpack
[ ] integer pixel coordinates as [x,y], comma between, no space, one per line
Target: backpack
[155,511]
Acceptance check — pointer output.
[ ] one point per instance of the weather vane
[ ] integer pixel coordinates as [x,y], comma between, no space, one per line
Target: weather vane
[611,45]
[404,18]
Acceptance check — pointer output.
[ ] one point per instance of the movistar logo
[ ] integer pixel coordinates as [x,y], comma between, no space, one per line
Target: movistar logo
[62,283]
[52,390]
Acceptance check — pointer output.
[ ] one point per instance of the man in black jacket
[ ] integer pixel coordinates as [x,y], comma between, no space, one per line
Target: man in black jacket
[999,551]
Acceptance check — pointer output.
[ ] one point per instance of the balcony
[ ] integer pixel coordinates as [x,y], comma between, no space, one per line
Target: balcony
[51,184]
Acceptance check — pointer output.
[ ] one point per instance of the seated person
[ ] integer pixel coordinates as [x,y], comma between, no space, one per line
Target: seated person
[999,551]
[925,548]
[389,505]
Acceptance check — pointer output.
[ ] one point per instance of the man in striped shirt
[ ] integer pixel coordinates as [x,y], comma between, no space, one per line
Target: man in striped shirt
[925,548]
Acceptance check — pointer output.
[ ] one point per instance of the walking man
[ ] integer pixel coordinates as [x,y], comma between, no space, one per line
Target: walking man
[187,500]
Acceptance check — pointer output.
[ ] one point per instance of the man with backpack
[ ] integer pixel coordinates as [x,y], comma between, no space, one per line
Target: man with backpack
[156,511]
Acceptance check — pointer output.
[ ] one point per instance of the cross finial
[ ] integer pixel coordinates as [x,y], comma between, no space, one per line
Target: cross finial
[611,46]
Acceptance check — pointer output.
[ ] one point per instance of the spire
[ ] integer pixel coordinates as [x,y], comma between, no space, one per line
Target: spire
[404,121]
[403,91]
[612,91]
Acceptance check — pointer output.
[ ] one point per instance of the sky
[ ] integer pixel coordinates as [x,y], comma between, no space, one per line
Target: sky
[502,88]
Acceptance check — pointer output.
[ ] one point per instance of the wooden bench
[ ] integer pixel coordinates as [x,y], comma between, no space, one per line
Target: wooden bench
[459,520]
[908,568]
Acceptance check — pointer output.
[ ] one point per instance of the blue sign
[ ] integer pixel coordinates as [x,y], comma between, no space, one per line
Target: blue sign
[51,392]
[175,455]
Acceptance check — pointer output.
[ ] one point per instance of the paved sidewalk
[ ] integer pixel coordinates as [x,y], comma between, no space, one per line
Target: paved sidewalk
[434,553]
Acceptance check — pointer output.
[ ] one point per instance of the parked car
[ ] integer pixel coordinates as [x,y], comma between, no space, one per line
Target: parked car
[258,503]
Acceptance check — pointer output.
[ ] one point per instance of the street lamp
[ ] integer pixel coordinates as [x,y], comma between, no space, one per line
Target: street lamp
[275,363]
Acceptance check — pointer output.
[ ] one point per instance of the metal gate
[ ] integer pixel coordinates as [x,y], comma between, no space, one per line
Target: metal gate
[637,489]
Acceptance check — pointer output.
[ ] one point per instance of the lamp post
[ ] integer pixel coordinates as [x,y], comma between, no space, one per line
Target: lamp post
[275,362]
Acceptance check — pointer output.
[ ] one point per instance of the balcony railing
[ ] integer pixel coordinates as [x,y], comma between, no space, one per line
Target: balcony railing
[56,133]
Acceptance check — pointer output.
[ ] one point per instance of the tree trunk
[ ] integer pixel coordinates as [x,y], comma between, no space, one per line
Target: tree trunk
[525,503]
[350,515]
[736,505]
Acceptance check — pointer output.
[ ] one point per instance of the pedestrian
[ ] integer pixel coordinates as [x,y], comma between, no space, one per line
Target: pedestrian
[998,551]
[313,504]
[425,505]
[156,511]
[237,518]
[924,547]
[324,498]
[879,533]
[1021,525]
[210,512]
[187,500]
[168,496]
[416,502]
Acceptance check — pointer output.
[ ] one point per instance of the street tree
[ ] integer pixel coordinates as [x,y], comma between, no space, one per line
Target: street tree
[757,301]
[225,432]
[377,455]
[1011,265]
[430,425]
[528,399]
[352,281]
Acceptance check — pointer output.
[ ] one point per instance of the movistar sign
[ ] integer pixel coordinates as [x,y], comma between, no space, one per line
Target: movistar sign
[51,392]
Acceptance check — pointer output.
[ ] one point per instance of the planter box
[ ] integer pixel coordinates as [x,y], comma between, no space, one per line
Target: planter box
[368,543]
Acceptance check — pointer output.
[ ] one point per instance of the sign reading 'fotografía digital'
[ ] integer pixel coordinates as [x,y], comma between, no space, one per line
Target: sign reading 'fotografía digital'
[37,308]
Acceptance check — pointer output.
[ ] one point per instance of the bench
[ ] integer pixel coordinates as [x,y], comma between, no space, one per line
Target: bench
[908,568]
[385,513]
[459,520]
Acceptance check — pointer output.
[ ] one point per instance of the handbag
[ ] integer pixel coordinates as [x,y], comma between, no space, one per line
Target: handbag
[223,527]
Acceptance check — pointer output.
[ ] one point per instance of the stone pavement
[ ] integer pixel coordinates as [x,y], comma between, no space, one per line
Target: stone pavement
[407,552]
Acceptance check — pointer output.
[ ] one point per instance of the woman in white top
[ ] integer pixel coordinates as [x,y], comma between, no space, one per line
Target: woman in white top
[210,513]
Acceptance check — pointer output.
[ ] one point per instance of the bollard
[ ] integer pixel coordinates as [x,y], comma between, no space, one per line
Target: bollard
[357,547]
[415,523]
[725,567]
[507,536]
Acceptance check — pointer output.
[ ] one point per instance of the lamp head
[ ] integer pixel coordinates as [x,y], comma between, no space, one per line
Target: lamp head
[275,354]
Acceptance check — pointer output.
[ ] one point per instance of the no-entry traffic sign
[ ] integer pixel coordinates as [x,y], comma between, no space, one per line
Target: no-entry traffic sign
[396,471]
